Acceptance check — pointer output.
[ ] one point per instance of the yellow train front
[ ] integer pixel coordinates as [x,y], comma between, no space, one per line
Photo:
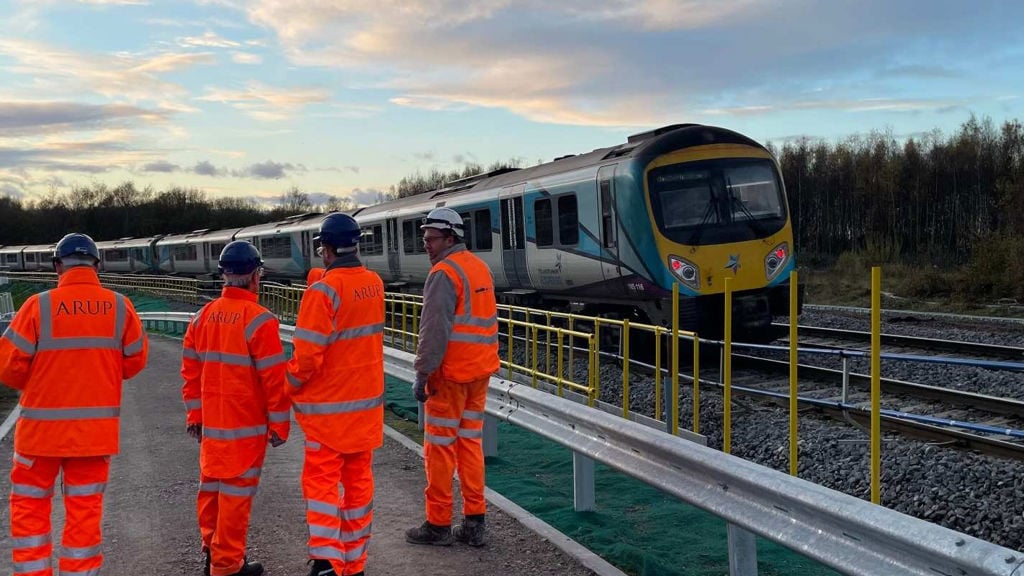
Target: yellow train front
[713,208]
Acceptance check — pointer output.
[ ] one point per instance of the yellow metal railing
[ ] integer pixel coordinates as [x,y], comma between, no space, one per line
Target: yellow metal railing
[180,289]
[282,300]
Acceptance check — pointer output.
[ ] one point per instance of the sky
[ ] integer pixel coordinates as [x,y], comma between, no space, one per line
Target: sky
[346,97]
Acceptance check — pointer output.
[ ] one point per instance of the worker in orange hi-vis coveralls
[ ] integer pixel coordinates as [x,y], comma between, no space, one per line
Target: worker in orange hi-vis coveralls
[336,378]
[455,358]
[68,351]
[314,275]
[233,365]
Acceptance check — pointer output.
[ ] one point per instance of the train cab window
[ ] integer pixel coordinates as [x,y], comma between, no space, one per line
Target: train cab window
[482,230]
[215,250]
[568,221]
[544,219]
[371,241]
[278,247]
[185,252]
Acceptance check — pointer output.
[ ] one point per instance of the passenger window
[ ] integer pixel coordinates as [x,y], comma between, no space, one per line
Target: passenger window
[409,237]
[482,230]
[544,220]
[568,221]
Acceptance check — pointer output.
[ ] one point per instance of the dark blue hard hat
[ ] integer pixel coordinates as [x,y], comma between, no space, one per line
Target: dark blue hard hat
[239,257]
[76,244]
[339,231]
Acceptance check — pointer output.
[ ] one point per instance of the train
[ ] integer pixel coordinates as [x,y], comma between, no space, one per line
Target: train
[609,233]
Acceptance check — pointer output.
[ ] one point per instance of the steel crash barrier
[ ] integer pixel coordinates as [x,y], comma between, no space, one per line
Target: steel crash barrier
[845,533]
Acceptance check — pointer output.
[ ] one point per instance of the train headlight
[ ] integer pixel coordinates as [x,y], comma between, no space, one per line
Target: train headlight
[775,261]
[686,271]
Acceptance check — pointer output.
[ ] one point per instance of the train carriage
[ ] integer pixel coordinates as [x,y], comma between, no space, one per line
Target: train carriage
[287,246]
[11,257]
[142,256]
[39,257]
[114,256]
[195,253]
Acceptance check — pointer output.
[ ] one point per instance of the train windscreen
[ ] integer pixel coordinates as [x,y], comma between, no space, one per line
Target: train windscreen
[717,201]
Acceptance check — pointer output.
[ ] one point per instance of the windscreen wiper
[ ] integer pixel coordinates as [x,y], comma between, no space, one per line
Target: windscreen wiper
[755,225]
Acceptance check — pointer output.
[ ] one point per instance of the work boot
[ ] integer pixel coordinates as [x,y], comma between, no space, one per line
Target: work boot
[321,567]
[430,535]
[471,531]
[206,562]
[249,569]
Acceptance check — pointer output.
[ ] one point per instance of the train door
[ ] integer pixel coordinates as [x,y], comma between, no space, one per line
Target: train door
[393,246]
[513,236]
[610,263]
[308,250]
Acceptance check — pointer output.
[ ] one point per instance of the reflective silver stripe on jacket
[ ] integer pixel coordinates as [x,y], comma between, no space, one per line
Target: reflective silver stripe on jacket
[135,347]
[48,342]
[293,380]
[252,473]
[358,332]
[474,338]
[270,361]
[234,433]
[193,404]
[321,408]
[255,324]
[279,416]
[69,413]
[26,347]
[227,358]
[312,337]
[190,354]
[330,293]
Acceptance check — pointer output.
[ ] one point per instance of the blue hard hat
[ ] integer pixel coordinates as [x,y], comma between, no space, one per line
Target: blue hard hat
[239,257]
[76,244]
[339,231]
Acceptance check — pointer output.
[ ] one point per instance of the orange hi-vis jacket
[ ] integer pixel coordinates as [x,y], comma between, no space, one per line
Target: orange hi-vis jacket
[472,351]
[233,365]
[337,368]
[68,351]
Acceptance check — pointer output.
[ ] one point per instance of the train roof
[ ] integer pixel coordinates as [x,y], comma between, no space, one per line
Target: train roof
[41,247]
[197,236]
[10,249]
[307,221]
[138,242]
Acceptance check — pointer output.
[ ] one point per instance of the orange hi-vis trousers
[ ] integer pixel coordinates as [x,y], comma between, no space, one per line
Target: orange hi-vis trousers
[32,481]
[224,507]
[453,439]
[338,488]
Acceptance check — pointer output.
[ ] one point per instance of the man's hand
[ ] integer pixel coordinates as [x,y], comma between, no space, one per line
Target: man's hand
[419,388]
[195,431]
[274,439]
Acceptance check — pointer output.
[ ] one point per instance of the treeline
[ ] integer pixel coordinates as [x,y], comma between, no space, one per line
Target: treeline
[931,200]
[125,211]
[435,179]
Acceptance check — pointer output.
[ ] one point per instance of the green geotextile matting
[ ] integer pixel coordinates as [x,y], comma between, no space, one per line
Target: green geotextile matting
[637,528]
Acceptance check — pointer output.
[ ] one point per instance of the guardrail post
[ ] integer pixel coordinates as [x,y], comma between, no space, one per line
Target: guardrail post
[490,436]
[583,493]
[742,551]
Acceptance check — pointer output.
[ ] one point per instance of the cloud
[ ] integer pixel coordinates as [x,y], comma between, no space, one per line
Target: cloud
[161,166]
[631,63]
[206,168]
[270,170]
[366,197]
[34,118]
[12,191]
[120,76]
[246,58]
[267,103]
[208,40]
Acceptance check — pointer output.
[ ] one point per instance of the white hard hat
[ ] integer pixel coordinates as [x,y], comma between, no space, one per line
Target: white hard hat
[445,219]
